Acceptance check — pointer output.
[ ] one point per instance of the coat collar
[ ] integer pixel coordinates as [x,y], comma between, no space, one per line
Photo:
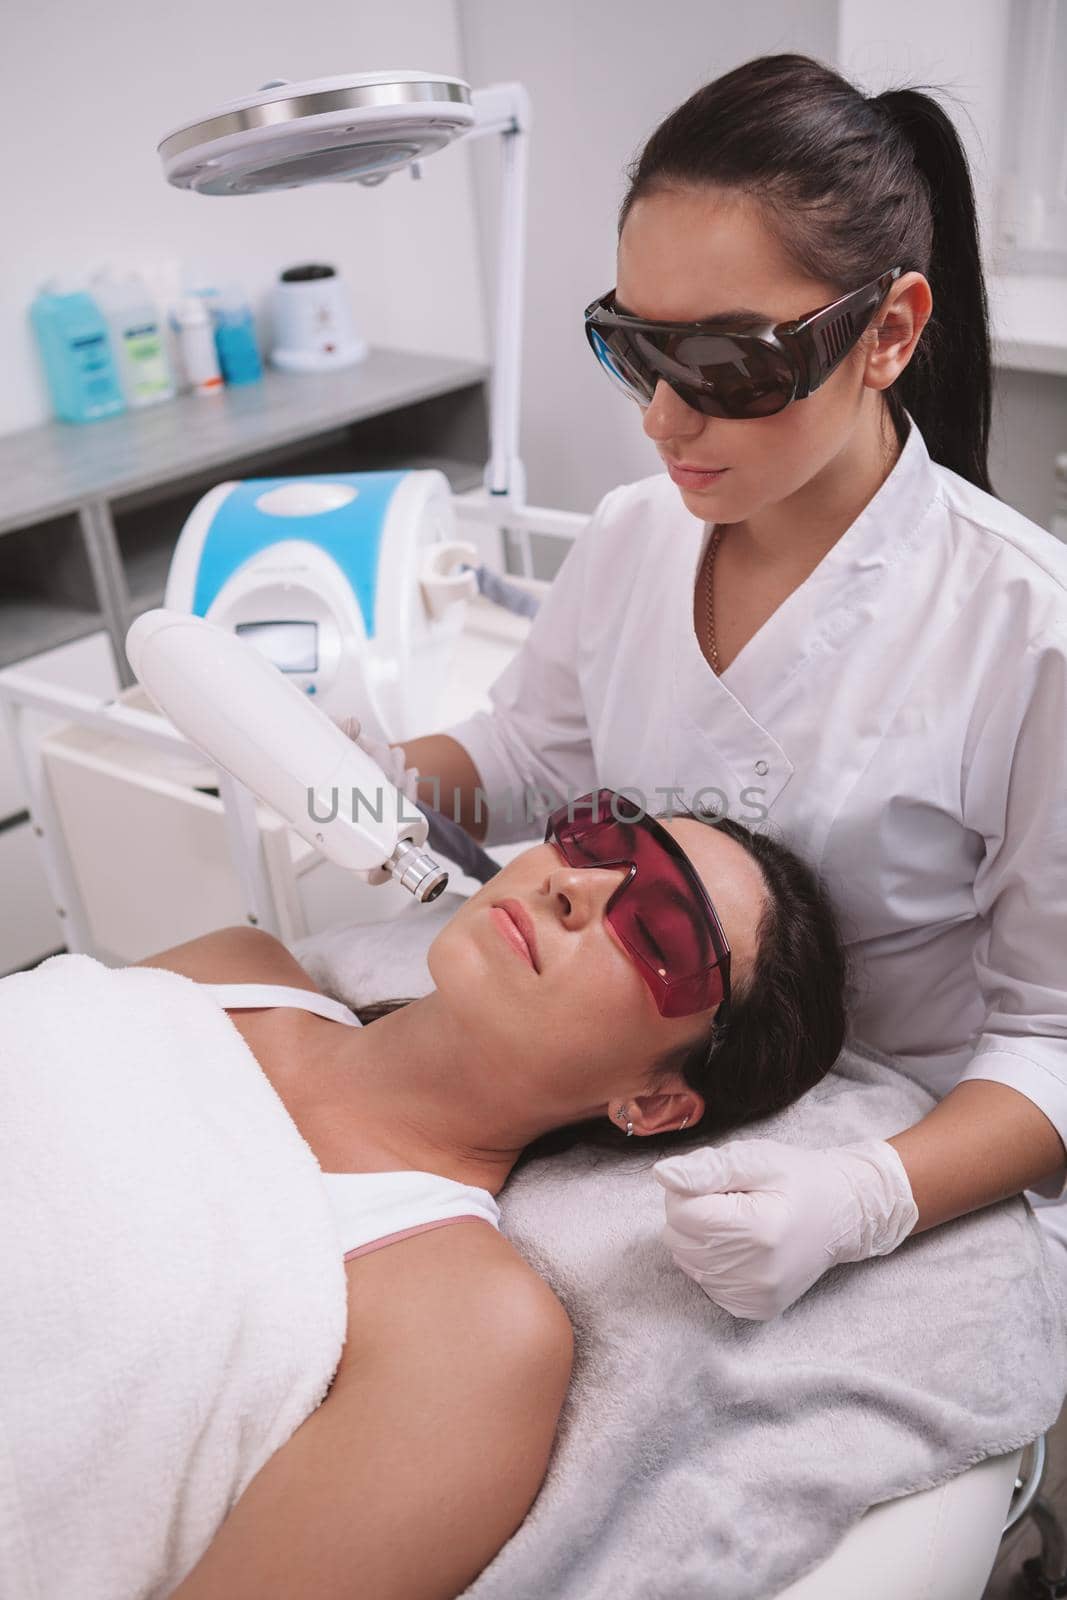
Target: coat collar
[822,616]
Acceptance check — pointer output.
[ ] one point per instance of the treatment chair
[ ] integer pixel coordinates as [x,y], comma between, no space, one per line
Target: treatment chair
[940,1544]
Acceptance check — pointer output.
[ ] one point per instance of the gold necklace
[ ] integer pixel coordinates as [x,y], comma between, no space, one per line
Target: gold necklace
[709,606]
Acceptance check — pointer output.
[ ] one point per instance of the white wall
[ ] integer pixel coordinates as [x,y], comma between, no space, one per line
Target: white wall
[960,46]
[600,79]
[954,46]
[90,90]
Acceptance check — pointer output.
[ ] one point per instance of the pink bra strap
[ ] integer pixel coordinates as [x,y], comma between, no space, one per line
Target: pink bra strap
[405,1233]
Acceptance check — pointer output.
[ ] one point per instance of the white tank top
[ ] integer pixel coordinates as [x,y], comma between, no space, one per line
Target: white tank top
[370,1209]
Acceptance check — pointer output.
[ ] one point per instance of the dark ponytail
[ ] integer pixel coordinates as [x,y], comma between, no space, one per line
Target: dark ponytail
[949,388]
[851,186]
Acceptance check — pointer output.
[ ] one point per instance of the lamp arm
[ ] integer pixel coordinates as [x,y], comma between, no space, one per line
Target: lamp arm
[504,108]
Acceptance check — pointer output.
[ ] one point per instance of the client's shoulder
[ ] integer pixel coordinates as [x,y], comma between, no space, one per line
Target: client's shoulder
[466,1279]
[233,955]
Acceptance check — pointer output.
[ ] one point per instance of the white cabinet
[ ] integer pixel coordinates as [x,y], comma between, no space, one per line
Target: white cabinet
[85,664]
[29,926]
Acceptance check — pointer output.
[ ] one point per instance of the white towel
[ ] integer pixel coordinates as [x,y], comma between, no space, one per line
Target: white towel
[173,1299]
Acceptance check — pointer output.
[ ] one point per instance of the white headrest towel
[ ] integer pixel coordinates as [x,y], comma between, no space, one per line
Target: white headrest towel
[173,1302]
[700,1457]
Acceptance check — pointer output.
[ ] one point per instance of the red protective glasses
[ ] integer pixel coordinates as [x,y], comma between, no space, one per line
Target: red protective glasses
[661,912]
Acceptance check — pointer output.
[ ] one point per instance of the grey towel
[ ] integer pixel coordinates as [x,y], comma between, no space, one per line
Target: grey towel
[700,1457]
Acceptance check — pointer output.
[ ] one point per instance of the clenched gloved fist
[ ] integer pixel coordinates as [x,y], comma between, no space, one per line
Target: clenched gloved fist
[389,757]
[756,1223]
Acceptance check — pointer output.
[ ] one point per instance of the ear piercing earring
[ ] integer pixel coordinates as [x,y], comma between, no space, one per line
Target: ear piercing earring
[630,1126]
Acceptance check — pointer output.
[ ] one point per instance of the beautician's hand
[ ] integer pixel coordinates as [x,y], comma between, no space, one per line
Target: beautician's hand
[755,1223]
[388,757]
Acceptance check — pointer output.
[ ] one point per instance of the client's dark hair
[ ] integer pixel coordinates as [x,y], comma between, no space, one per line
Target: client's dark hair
[787,1020]
[786,1024]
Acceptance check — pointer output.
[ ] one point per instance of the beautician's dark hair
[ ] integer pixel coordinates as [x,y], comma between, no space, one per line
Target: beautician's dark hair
[786,1026]
[851,186]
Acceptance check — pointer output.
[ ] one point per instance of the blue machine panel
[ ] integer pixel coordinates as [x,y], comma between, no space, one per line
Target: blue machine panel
[351,534]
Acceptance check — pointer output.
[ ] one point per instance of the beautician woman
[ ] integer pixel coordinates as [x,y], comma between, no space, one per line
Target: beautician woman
[830,628]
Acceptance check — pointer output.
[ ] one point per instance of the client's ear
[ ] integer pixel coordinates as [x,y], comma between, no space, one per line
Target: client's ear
[664,1112]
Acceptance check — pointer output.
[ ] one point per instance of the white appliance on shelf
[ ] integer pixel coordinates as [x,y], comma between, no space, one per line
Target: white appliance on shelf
[314,330]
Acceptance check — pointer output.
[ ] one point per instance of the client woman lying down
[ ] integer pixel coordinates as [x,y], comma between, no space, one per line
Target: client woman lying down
[627,975]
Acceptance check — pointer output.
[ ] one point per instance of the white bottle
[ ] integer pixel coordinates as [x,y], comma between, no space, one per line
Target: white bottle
[196,341]
[137,335]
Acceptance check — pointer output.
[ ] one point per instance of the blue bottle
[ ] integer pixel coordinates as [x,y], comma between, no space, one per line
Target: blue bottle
[235,338]
[75,346]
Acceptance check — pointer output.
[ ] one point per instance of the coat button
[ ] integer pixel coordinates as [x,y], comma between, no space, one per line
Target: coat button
[761,767]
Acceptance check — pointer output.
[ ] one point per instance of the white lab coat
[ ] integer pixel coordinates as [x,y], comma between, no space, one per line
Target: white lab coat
[900,721]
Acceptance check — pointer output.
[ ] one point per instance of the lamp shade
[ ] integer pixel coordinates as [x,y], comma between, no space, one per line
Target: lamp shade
[357,127]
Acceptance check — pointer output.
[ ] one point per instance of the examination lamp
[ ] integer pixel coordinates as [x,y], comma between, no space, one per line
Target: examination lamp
[250,720]
[360,128]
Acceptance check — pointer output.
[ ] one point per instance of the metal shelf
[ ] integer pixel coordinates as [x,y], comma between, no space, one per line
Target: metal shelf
[61,466]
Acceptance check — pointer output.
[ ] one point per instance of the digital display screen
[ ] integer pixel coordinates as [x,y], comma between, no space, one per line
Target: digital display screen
[291,646]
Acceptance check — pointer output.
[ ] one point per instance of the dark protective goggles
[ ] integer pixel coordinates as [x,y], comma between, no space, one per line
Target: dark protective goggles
[726,373]
[661,911]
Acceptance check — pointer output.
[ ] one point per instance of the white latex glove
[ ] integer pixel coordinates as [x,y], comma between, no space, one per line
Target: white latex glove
[756,1223]
[389,757]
